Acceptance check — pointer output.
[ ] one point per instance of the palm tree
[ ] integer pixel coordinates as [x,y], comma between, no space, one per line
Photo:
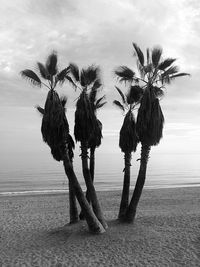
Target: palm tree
[72,198]
[128,139]
[96,136]
[154,74]
[86,80]
[55,131]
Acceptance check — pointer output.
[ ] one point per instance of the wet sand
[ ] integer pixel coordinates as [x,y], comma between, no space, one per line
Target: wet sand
[166,232]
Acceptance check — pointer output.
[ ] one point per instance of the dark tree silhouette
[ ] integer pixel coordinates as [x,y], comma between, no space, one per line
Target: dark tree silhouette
[128,139]
[86,124]
[55,132]
[154,73]
[96,136]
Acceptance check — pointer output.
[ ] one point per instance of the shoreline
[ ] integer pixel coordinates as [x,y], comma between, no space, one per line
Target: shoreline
[64,191]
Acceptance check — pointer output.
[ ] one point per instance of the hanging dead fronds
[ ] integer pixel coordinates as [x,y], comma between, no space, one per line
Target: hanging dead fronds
[134,94]
[95,138]
[128,137]
[144,114]
[55,128]
[156,124]
[84,118]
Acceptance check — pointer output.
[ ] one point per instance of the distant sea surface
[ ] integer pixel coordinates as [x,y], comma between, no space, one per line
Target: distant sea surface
[26,164]
[169,171]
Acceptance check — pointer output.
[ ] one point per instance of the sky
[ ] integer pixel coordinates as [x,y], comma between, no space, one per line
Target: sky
[97,32]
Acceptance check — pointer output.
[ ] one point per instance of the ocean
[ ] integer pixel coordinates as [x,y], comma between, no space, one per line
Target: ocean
[26,164]
[171,172]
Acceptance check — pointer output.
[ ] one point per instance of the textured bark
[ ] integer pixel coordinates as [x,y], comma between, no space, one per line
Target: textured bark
[92,166]
[93,223]
[126,186]
[90,187]
[131,211]
[73,211]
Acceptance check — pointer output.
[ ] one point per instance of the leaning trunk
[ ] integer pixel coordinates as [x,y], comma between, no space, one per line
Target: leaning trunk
[125,192]
[73,211]
[93,223]
[92,166]
[131,211]
[90,186]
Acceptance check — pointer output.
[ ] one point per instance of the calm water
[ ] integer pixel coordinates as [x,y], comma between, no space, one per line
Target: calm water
[172,171]
[26,163]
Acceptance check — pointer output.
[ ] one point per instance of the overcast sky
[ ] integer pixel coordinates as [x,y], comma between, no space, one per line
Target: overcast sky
[99,32]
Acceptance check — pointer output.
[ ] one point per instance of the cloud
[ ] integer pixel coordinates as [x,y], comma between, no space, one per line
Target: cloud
[98,32]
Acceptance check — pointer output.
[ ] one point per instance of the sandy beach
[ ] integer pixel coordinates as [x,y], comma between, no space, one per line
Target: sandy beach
[33,231]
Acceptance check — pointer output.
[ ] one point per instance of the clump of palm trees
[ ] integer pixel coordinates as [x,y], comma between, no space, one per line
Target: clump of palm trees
[152,75]
[144,91]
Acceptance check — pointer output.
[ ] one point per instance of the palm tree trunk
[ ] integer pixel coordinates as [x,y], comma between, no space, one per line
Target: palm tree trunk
[131,211]
[92,166]
[126,185]
[93,223]
[73,211]
[90,186]
[92,162]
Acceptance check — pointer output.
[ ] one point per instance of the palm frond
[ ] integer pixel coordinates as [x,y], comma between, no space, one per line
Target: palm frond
[74,70]
[43,71]
[89,75]
[31,76]
[61,76]
[168,78]
[124,74]
[179,75]
[166,63]
[121,94]
[40,110]
[118,104]
[69,79]
[156,56]
[93,93]
[128,139]
[148,68]
[171,70]
[63,100]
[100,100]
[51,63]
[134,94]
[165,76]
[148,56]
[100,105]
[158,91]
[97,84]
[83,80]
[139,54]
